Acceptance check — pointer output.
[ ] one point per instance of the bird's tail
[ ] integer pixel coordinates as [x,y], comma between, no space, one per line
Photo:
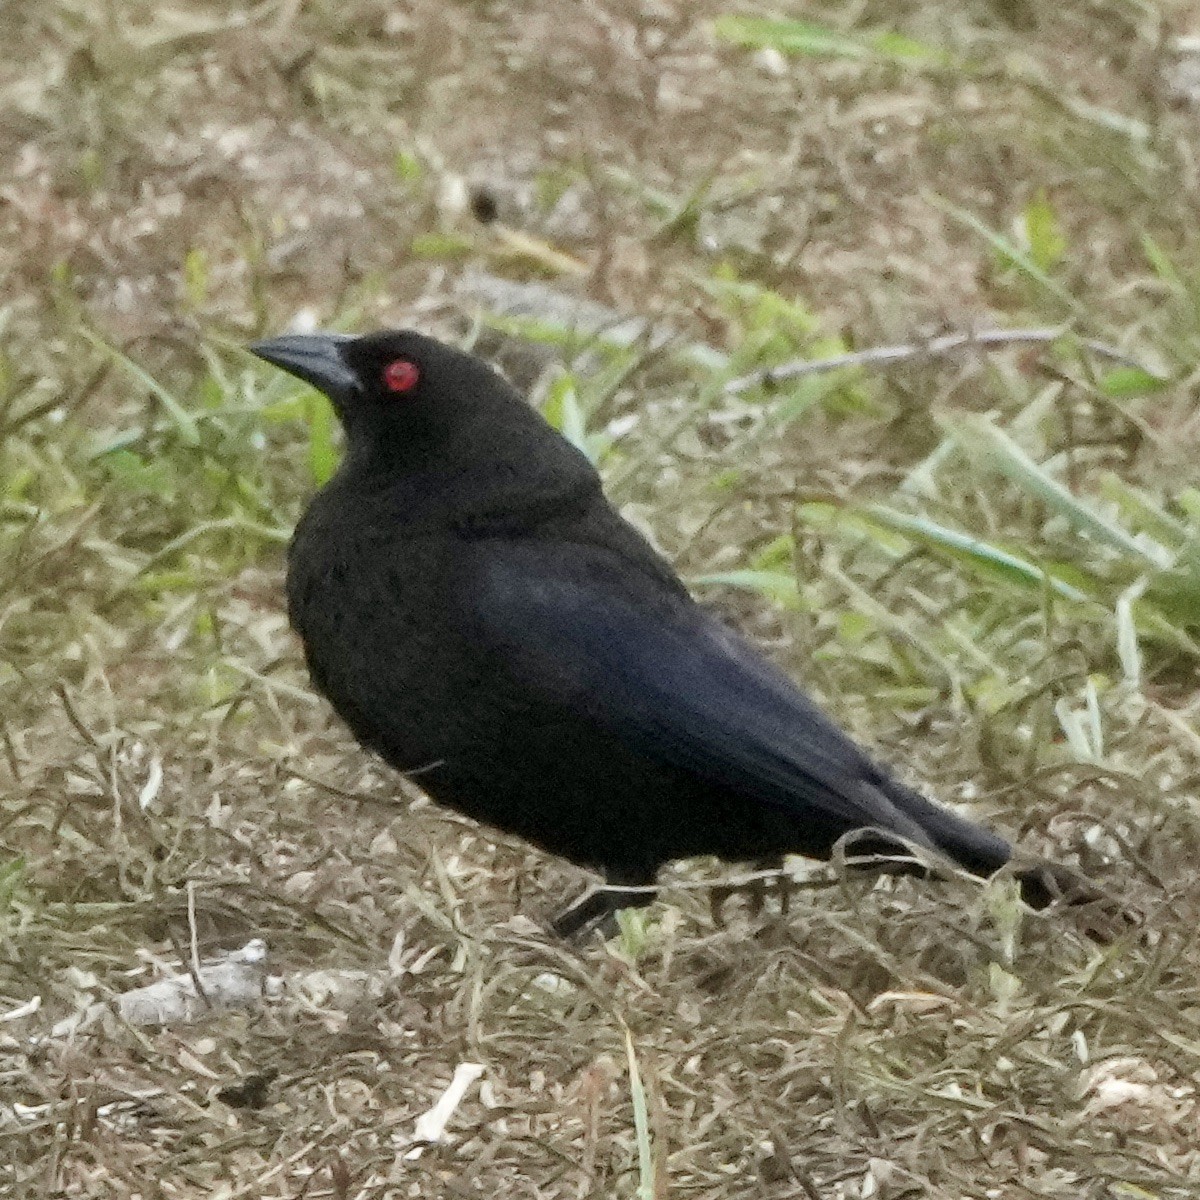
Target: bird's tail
[970,845]
[979,850]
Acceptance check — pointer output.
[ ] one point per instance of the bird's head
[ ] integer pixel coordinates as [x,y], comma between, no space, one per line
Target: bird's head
[411,401]
[380,376]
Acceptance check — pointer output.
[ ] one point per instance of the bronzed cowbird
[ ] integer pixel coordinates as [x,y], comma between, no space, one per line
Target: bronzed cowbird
[480,616]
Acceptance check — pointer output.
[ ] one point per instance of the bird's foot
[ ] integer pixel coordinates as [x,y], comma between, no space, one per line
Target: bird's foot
[1101,916]
[756,890]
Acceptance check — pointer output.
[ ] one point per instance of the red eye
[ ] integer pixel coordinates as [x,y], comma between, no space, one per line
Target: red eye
[401,375]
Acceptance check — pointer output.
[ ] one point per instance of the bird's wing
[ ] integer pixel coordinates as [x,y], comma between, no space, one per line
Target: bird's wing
[578,628]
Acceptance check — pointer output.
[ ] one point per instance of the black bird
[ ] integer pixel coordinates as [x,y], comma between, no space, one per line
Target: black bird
[479,615]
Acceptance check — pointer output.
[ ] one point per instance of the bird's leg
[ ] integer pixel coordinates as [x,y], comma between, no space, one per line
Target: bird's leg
[590,907]
[783,885]
[720,894]
[718,897]
[597,908]
[756,889]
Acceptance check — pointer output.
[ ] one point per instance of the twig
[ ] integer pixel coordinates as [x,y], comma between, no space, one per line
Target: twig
[76,720]
[194,963]
[193,974]
[949,343]
[431,1125]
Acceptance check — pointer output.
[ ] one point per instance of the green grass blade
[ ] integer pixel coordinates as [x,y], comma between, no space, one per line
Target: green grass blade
[788,37]
[819,41]
[1144,513]
[184,421]
[984,440]
[780,586]
[1162,266]
[984,557]
[1125,382]
[323,454]
[564,411]
[1009,252]
[1128,651]
[12,878]
[1043,232]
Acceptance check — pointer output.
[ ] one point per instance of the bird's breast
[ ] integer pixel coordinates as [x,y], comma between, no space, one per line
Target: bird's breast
[373,615]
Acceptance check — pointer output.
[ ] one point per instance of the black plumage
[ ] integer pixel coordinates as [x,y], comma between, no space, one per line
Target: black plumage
[481,617]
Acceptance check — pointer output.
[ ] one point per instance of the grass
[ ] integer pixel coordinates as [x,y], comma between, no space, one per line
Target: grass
[984,564]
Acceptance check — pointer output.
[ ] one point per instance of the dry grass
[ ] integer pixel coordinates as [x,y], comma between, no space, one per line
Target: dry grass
[183,179]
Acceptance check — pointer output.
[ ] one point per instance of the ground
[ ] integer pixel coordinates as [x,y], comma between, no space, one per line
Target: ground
[984,564]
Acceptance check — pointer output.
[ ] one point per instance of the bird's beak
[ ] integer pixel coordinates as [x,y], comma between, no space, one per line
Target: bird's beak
[314,357]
